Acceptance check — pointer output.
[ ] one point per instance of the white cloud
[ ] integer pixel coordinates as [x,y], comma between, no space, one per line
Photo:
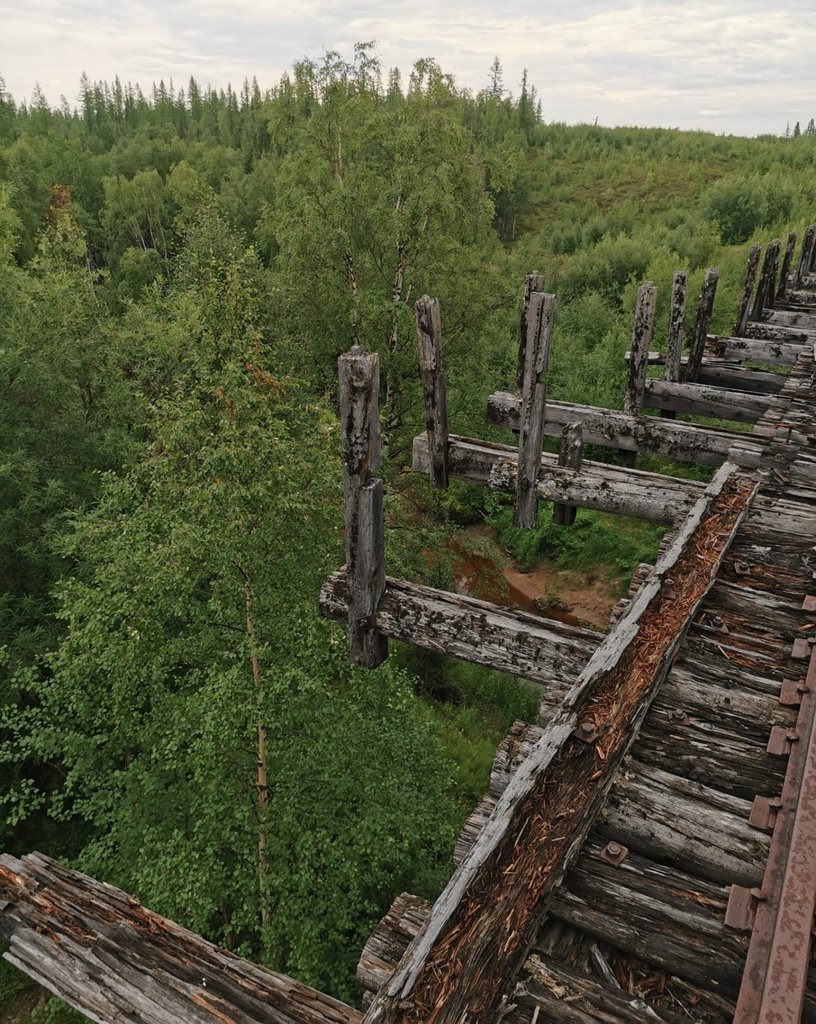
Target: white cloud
[715,65]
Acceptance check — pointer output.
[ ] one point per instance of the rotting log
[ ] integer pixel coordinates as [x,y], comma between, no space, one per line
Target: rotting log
[782,351]
[641,339]
[702,400]
[532,283]
[674,342]
[482,925]
[545,652]
[686,442]
[596,485]
[533,406]
[429,343]
[363,498]
[113,960]
[747,290]
[570,456]
[705,308]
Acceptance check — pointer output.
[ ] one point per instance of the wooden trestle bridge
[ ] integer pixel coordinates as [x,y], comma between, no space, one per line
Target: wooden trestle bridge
[647,850]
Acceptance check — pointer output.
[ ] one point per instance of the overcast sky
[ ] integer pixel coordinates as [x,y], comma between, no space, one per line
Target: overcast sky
[737,66]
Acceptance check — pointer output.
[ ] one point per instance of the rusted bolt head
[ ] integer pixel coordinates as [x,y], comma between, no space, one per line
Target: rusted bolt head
[677,715]
[587,728]
[717,620]
[613,849]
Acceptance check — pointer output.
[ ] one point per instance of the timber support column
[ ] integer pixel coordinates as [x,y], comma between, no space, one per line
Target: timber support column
[741,324]
[532,283]
[805,255]
[533,406]
[764,295]
[674,343]
[704,310]
[639,359]
[429,340]
[363,494]
[570,456]
[782,286]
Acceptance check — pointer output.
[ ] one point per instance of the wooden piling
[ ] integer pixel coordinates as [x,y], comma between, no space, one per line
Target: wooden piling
[365,549]
[782,286]
[429,339]
[532,283]
[705,308]
[674,346]
[765,279]
[570,456]
[805,255]
[747,289]
[533,403]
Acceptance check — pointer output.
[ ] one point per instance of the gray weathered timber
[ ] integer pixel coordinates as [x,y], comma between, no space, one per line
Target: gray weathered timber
[532,283]
[805,256]
[533,405]
[776,351]
[642,331]
[699,400]
[733,375]
[547,653]
[764,290]
[686,442]
[747,290]
[705,308]
[677,311]
[429,340]
[113,960]
[365,556]
[784,274]
[480,952]
[766,330]
[604,488]
[570,456]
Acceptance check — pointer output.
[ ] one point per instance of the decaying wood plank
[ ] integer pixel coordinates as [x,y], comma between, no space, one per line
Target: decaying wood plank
[365,555]
[482,924]
[429,340]
[533,402]
[548,653]
[99,950]
[805,255]
[733,375]
[677,311]
[641,339]
[595,485]
[705,308]
[776,352]
[784,274]
[686,442]
[701,400]
[570,456]
[765,288]
[532,283]
[747,290]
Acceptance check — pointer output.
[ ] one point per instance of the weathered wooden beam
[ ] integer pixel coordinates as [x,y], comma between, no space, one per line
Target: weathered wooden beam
[765,286]
[533,406]
[483,923]
[760,350]
[733,375]
[547,653]
[677,311]
[596,485]
[686,442]
[363,496]
[805,255]
[429,341]
[532,283]
[570,456]
[705,308]
[699,400]
[747,290]
[782,286]
[642,331]
[113,960]
[766,330]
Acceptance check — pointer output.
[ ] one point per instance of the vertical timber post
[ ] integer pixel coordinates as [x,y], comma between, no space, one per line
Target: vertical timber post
[570,456]
[365,549]
[765,279]
[429,340]
[532,283]
[741,324]
[674,337]
[639,356]
[805,255]
[782,287]
[770,296]
[533,406]
[704,311]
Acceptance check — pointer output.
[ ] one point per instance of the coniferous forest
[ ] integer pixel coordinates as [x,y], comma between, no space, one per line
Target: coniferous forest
[179,271]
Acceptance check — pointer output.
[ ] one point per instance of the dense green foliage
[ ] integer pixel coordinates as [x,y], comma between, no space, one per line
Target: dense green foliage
[178,273]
